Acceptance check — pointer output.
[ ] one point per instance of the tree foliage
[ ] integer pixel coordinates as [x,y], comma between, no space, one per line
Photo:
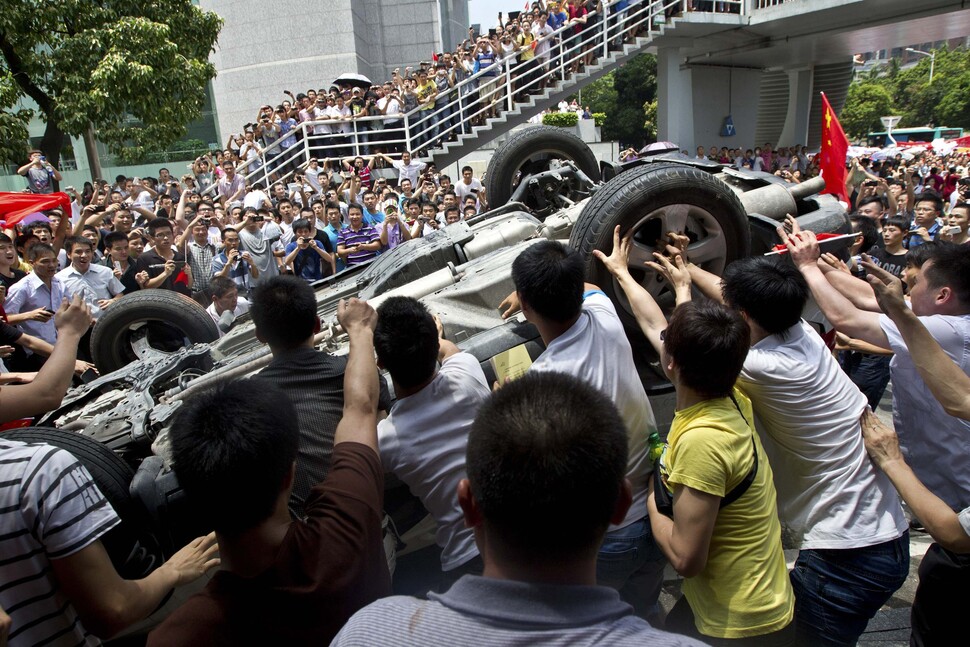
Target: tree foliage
[909,94]
[134,70]
[621,95]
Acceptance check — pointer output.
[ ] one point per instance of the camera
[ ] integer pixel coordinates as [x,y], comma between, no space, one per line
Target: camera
[870,183]
[302,240]
[259,218]
[206,221]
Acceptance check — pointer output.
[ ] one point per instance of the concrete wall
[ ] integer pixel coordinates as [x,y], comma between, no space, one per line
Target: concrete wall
[711,88]
[295,45]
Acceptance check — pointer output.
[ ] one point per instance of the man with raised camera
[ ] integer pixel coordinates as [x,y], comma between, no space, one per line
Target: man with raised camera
[259,237]
[309,257]
[164,263]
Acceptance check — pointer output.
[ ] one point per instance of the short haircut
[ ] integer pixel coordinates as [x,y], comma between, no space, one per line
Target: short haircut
[549,278]
[331,205]
[950,268]
[114,237]
[898,222]
[961,205]
[74,241]
[544,448]
[232,449]
[367,193]
[227,230]
[220,286]
[355,207]
[917,256]
[406,340]
[159,223]
[708,342]
[871,199]
[452,209]
[929,196]
[771,291]
[865,226]
[5,239]
[39,225]
[40,249]
[302,223]
[466,168]
[284,309]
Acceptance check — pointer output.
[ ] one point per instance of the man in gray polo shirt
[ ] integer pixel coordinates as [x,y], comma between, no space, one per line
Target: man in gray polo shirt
[546,468]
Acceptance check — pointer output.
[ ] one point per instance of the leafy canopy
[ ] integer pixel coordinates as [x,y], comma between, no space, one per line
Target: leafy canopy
[135,70]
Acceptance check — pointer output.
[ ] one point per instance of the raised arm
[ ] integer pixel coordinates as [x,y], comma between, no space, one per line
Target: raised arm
[361,390]
[648,314]
[804,251]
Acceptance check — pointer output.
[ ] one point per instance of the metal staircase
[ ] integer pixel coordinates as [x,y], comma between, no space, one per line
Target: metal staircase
[480,108]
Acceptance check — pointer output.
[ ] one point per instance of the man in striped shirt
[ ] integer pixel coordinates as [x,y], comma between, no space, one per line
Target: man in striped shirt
[57,582]
[358,243]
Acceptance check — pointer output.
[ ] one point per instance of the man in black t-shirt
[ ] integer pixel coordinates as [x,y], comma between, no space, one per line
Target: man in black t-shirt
[165,265]
[892,256]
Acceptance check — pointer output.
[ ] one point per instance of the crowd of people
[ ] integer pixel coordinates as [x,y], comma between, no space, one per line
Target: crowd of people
[164,233]
[557,507]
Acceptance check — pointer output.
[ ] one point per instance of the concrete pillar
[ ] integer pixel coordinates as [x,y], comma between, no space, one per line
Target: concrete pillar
[799,108]
[675,100]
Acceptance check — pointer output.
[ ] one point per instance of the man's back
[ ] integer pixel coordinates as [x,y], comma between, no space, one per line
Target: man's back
[595,349]
[483,611]
[423,443]
[325,570]
[314,382]
[808,413]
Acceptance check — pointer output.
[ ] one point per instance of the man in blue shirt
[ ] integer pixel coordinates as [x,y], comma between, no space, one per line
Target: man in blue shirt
[335,225]
[373,216]
[309,258]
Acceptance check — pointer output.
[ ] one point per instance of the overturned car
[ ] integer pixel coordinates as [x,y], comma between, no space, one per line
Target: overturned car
[550,186]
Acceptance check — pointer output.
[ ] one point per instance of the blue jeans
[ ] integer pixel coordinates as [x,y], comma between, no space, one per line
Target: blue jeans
[868,372]
[837,592]
[631,562]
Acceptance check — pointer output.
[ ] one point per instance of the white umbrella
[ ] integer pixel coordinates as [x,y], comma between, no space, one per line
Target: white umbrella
[354,80]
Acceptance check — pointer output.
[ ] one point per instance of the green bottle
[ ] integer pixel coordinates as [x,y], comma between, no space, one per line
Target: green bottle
[656,447]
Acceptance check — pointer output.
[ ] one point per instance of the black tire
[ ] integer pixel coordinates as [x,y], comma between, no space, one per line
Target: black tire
[654,199]
[529,151]
[131,545]
[161,319]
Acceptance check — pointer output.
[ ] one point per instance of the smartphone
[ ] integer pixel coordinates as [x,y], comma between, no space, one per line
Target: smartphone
[952,230]
[89,376]
[117,265]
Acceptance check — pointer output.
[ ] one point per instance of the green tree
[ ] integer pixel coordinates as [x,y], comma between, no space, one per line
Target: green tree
[133,71]
[865,104]
[622,95]
[650,121]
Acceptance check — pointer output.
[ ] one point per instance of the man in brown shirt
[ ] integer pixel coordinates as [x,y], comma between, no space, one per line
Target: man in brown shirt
[283,581]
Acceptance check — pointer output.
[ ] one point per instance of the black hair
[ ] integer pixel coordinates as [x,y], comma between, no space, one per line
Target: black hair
[284,309]
[4,238]
[39,249]
[865,226]
[549,278]
[233,448]
[918,255]
[898,222]
[228,230]
[950,268]
[929,196]
[353,206]
[771,291]
[406,340]
[302,223]
[708,342]
[74,241]
[870,199]
[219,286]
[114,237]
[159,223]
[544,448]
[961,205]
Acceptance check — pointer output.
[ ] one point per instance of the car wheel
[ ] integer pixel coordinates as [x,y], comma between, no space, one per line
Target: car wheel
[652,200]
[533,150]
[131,545]
[148,320]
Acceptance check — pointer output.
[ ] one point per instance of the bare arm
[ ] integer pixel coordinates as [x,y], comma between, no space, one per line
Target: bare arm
[361,391]
[856,290]
[804,251]
[107,603]
[48,388]
[944,377]
[685,540]
[940,521]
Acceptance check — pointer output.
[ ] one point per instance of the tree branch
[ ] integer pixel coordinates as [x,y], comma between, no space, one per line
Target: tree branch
[16,65]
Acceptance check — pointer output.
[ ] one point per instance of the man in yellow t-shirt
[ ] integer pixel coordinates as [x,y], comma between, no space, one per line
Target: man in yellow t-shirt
[427,92]
[724,537]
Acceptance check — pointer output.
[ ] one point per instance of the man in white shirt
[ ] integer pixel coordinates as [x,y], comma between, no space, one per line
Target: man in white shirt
[407,168]
[584,337]
[96,284]
[469,185]
[226,303]
[843,514]
[423,439]
[32,301]
[930,438]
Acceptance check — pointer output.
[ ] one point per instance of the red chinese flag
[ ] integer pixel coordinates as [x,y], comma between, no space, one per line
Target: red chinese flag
[434,57]
[14,207]
[832,156]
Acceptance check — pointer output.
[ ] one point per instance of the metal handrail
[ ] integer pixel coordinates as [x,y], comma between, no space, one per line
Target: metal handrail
[427,129]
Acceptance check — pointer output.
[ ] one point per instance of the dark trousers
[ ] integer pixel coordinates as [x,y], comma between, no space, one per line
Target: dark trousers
[868,372]
[941,598]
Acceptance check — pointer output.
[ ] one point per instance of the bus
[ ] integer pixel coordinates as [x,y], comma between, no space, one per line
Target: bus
[913,136]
